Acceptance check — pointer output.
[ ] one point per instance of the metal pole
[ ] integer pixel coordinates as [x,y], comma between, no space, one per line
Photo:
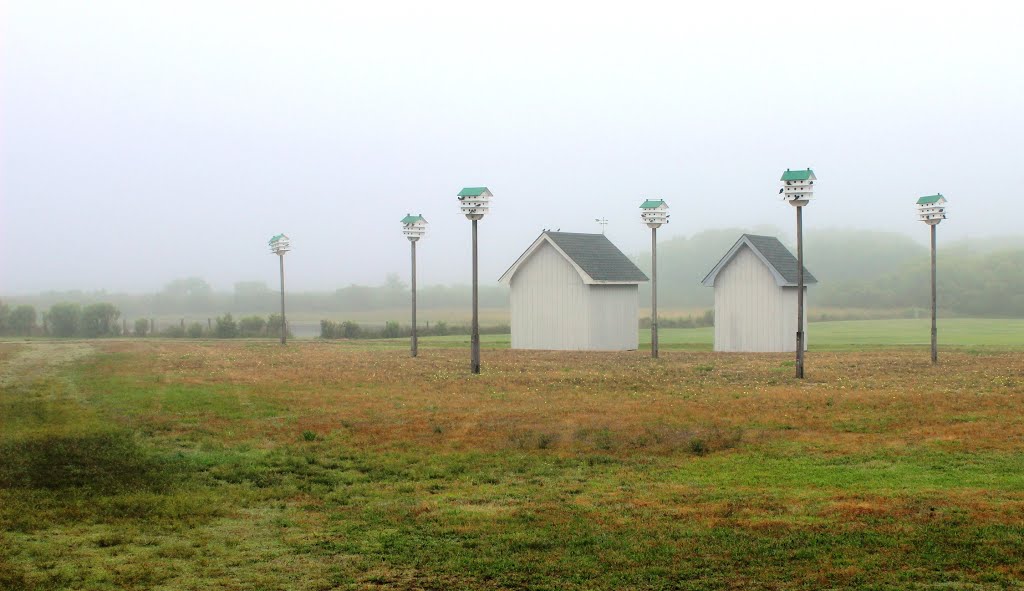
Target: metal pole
[284,325]
[475,338]
[654,293]
[413,350]
[935,331]
[800,292]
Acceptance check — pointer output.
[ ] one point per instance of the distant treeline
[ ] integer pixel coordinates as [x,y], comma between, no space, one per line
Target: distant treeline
[855,269]
[392,330]
[103,319]
[863,270]
[195,297]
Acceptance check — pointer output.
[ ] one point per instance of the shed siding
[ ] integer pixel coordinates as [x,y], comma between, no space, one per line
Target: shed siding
[549,303]
[752,313]
[614,317]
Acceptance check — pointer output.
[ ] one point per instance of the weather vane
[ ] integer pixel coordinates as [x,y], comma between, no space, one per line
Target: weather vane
[603,222]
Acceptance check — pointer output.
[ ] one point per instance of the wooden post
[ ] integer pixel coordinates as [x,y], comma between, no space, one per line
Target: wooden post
[935,331]
[413,344]
[284,325]
[800,292]
[654,293]
[475,336]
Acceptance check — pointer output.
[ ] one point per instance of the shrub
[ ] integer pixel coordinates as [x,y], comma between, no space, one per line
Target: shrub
[64,318]
[22,320]
[141,327]
[226,327]
[195,330]
[252,326]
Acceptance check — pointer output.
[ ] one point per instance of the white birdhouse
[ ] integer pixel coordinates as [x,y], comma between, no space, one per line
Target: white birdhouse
[931,209]
[280,244]
[798,186]
[655,212]
[475,202]
[414,227]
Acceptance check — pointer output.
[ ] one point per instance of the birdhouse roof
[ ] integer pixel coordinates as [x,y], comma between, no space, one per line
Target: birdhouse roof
[276,238]
[653,203]
[798,175]
[594,257]
[412,219]
[931,199]
[473,192]
[773,254]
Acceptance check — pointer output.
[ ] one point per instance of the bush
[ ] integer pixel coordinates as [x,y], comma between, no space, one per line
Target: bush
[22,320]
[175,331]
[141,327]
[99,320]
[195,330]
[226,327]
[391,330]
[64,319]
[252,326]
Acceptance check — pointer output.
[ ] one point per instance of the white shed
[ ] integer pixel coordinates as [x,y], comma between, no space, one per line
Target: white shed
[574,292]
[756,296]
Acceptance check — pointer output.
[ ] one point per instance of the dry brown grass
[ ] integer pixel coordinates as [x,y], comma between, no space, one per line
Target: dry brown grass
[614,401]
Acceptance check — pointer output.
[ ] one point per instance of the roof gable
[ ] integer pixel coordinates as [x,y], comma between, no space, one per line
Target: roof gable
[473,192]
[653,204]
[931,199]
[593,256]
[778,259]
[412,219]
[798,175]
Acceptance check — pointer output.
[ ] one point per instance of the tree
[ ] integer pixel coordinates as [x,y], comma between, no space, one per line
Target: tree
[252,326]
[226,327]
[64,318]
[22,320]
[5,315]
[195,330]
[141,327]
[99,320]
[274,326]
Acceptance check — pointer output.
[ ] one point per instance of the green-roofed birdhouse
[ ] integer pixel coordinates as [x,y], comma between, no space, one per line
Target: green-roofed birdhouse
[475,202]
[931,209]
[279,244]
[798,186]
[414,226]
[654,212]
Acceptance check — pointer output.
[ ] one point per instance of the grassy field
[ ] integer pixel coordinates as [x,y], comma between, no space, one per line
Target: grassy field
[850,335]
[245,465]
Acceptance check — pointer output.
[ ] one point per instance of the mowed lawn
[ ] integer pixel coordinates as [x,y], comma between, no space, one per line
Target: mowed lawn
[320,465]
[851,335]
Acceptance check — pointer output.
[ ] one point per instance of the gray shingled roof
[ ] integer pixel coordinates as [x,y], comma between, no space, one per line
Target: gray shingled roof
[597,256]
[769,249]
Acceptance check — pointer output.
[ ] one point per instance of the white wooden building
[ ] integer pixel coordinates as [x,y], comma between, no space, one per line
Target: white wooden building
[574,292]
[756,296]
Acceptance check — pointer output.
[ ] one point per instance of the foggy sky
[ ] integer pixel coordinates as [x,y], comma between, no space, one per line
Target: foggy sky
[143,141]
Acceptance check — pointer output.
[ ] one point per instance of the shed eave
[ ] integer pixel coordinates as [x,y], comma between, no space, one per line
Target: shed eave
[709,280]
[506,277]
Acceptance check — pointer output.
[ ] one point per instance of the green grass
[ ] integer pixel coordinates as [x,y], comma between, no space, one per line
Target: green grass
[142,469]
[822,336]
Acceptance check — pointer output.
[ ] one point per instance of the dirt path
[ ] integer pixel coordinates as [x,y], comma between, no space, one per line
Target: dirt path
[38,360]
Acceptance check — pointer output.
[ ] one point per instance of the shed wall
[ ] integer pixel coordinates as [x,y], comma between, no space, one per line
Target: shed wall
[614,317]
[752,313]
[549,303]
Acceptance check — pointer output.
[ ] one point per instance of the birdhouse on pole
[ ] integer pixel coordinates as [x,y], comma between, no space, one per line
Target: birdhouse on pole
[655,212]
[280,244]
[798,186]
[475,202]
[931,209]
[414,227]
